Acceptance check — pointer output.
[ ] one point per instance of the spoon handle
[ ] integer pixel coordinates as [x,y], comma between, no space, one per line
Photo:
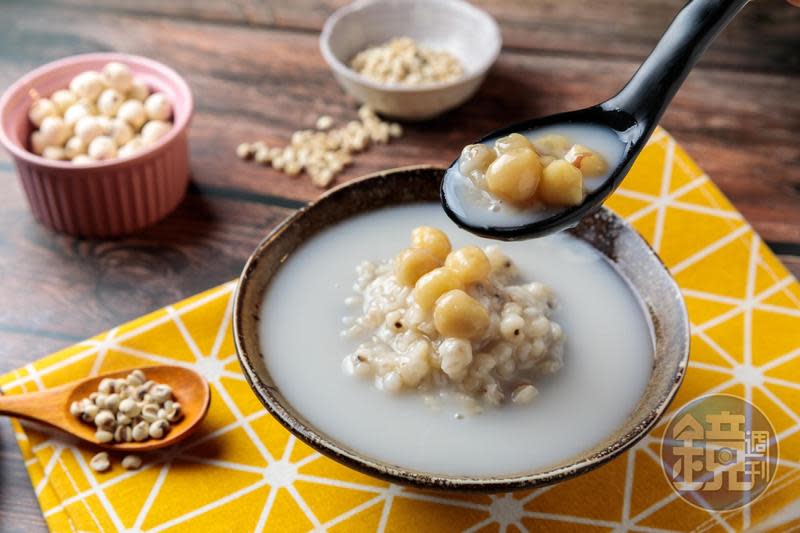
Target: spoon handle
[648,93]
[43,406]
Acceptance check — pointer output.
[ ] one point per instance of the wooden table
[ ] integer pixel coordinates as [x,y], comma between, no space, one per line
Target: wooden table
[256,73]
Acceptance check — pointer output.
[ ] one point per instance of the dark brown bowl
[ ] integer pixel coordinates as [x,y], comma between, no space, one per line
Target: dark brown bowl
[604,230]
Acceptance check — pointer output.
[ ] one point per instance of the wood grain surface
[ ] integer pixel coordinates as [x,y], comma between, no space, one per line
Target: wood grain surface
[256,73]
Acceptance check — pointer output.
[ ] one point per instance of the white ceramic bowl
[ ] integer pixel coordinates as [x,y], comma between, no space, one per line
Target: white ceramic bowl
[467,32]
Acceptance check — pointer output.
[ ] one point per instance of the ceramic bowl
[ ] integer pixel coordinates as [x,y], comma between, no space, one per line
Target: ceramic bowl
[469,33]
[105,198]
[605,231]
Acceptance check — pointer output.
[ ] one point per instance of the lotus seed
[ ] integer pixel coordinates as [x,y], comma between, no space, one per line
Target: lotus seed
[158,107]
[118,76]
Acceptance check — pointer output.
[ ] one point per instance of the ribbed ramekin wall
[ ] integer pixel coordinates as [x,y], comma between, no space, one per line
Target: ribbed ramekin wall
[106,202]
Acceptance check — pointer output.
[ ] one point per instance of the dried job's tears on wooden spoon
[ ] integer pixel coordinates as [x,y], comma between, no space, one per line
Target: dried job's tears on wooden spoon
[627,119]
[52,406]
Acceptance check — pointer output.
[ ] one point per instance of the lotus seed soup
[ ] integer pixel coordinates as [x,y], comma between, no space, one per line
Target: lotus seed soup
[421,345]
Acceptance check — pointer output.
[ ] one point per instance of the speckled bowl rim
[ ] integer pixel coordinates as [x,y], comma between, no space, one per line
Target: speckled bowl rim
[341,68]
[285,414]
[178,126]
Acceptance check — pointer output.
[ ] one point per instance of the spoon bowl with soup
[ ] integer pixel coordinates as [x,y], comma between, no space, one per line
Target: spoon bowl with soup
[544,175]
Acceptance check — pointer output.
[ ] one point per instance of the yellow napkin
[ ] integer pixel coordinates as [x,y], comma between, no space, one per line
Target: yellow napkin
[244,472]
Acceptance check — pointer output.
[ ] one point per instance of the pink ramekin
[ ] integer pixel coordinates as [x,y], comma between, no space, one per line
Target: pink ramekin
[106,198]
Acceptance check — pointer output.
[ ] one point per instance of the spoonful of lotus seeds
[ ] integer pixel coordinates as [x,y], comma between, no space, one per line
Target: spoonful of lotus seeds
[523,190]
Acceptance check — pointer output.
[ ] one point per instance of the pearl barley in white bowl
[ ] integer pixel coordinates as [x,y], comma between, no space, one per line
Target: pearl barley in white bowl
[453,26]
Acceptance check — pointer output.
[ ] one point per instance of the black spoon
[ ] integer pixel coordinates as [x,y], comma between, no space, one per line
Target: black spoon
[632,114]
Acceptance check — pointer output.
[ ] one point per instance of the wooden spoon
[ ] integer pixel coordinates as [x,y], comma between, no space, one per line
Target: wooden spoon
[51,406]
